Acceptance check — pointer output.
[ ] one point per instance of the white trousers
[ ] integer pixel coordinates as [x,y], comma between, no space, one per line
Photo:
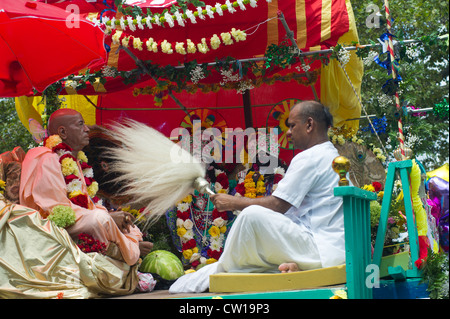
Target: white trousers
[259,241]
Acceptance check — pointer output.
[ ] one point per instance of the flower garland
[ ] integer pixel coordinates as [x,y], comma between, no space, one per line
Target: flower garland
[140,22]
[127,40]
[88,244]
[342,134]
[71,172]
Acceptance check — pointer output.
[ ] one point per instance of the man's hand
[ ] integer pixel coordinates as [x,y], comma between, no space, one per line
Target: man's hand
[224,202]
[123,220]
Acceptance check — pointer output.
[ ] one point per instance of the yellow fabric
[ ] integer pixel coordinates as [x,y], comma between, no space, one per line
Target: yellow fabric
[336,92]
[301,23]
[441,172]
[39,260]
[419,210]
[325,31]
[31,107]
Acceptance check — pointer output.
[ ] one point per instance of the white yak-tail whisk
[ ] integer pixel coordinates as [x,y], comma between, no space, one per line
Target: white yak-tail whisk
[145,164]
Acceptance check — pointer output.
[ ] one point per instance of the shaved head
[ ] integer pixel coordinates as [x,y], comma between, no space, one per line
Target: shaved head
[70,126]
[58,118]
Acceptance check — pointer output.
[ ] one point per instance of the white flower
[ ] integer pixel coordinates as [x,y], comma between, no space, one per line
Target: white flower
[148,22]
[137,44]
[209,11]
[139,22]
[197,74]
[179,18]
[230,7]
[188,224]
[370,58]
[88,172]
[74,185]
[202,47]
[109,71]
[191,46]
[343,56]
[191,16]
[241,4]
[200,13]
[188,235]
[152,45]
[131,24]
[217,187]
[219,222]
[113,23]
[244,86]
[169,19]
[166,47]
[253,3]
[122,24]
[157,21]
[182,207]
[227,76]
[226,38]
[194,257]
[180,222]
[238,35]
[219,10]
[279,170]
[179,48]
[202,260]
[116,37]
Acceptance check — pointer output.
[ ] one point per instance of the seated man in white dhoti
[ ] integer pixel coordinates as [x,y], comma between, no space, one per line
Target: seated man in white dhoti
[300,226]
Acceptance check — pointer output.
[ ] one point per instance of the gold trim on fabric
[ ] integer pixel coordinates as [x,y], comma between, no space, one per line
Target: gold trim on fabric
[301,23]
[272,25]
[325,32]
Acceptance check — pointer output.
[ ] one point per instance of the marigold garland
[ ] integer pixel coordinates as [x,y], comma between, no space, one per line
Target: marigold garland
[71,172]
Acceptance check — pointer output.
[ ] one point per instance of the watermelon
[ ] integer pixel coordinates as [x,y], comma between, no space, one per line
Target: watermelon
[163,263]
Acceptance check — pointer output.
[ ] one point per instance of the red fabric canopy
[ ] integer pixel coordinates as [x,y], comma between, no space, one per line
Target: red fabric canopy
[38,46]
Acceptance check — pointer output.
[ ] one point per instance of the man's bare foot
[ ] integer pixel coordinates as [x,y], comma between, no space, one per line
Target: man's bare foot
[145,247]
[288,267]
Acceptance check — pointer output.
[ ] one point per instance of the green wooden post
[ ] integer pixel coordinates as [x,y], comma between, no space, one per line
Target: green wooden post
[404,169]
[358,251]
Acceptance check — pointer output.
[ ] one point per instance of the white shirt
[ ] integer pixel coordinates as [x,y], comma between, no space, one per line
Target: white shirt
[308,186]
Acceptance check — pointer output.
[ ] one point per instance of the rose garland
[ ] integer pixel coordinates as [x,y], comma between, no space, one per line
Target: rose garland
[127,40]
[71,172]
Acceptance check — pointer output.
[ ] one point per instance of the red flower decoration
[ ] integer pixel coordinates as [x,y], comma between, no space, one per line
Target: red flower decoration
[240,188]
[377,186]
[80,200]
[70,178]
[85,165]
[217,214]
[189,244]
[88,244]
[183,215]
[61,146]
[88,180]
[214,253]
[277,178]
[67,156]
[222,179]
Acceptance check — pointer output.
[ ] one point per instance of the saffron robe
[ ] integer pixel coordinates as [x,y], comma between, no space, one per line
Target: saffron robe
[42,187]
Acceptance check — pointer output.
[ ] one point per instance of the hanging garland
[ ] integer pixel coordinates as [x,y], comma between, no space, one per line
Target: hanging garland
[134,18]
[127,40]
